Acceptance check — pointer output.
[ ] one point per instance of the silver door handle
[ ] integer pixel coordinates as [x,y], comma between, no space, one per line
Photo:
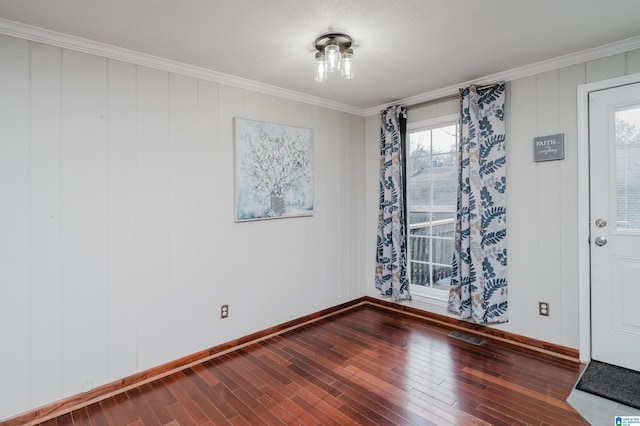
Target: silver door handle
[600,241]
[601,223]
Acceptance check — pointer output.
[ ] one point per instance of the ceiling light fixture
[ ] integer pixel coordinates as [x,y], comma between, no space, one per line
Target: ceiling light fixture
[334,53]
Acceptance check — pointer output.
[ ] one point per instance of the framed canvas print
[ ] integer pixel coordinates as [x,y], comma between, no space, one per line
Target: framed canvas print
[273,170]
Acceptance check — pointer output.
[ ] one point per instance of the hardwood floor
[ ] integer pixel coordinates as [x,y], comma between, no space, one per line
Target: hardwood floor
[364,366]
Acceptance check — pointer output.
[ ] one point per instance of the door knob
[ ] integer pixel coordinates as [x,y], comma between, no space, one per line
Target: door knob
[601,223]
[600,241]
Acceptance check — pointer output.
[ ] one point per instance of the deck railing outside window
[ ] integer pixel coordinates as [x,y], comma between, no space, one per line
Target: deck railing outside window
[430,253]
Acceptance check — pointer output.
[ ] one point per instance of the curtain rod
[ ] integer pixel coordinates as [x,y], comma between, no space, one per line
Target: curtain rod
[434,101]
[448,97]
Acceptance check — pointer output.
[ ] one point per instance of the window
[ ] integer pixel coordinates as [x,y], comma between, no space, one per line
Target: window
[431,203]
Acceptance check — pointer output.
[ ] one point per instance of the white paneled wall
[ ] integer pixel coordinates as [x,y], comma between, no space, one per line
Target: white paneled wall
[543,197]
[45,313]
[15,232]
[117,238]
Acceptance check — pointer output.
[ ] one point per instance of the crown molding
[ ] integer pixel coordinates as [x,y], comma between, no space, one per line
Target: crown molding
[41,35]
[582,56]
[65,41]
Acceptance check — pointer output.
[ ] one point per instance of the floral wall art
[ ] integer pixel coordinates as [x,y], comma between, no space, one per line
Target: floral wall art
[274,170]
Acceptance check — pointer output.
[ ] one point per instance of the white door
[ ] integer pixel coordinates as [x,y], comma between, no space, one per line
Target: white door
[614,150]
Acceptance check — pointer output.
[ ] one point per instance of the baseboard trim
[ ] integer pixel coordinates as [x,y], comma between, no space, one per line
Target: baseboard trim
[539,346]
[58,408]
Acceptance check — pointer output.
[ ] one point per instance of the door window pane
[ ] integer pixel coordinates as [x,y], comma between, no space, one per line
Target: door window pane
[627,168]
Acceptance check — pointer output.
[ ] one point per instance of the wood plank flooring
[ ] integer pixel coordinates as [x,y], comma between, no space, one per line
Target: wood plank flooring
[364,366]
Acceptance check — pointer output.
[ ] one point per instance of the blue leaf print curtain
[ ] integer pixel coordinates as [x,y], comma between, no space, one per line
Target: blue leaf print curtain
[479,269]
[391,254]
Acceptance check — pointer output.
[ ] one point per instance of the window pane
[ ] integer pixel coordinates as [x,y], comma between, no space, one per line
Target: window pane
[419,248]
[419,244]
[419,189]
[444,139]
[442,251]
[444,224]
[627,123]
[420,274]
[442,277]
[431,187]
[416,218]
[420,143]
[419,165]
[444,190]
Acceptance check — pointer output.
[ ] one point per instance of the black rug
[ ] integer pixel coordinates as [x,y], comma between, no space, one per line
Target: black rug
[611,382]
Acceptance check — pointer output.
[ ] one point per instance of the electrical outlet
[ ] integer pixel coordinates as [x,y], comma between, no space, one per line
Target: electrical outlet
[543,308]
[224,311]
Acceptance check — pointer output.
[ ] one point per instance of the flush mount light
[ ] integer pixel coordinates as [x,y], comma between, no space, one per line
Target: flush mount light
[334,53]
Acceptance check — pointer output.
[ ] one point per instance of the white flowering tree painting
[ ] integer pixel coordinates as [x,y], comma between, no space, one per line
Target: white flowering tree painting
[274,170]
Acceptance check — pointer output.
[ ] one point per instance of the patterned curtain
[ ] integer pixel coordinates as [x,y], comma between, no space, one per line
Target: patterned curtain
[391,255]
[479,270]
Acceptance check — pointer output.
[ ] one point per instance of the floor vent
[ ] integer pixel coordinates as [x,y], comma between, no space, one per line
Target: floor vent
[466,337]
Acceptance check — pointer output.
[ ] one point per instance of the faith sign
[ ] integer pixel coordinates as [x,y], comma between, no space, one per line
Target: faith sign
[547,148]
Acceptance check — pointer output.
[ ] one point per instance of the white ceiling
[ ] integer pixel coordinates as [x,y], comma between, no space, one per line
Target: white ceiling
[403,48]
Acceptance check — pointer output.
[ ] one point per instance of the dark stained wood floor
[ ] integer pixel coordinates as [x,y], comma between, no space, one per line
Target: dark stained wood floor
[364,366]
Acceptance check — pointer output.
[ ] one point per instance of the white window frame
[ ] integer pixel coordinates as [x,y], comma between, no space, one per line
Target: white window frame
[439,296]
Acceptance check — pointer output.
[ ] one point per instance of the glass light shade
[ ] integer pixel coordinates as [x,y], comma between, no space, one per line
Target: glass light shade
[321,68]
[347,64]
[332,54]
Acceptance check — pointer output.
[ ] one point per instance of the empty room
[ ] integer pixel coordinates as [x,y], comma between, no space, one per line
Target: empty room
[319,212]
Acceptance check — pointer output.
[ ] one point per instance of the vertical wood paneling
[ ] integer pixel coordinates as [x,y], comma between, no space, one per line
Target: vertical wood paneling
[274,248]
[335,163]
[633,62]
[15,288]
[353,219]
[362,282]
[604,68]
[152,217]
[46,255]
[230,256]
[253,108]
[320,210]
[84,232]
[346,201]
[569,79]
[283,234]
[371,205]
[121,219]
[328,240]
[301,240]
[549,205]
[524,204]
[341,160]
[209,215]
[183,213]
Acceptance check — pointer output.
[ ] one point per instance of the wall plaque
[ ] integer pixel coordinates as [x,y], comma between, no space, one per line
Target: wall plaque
[547,148]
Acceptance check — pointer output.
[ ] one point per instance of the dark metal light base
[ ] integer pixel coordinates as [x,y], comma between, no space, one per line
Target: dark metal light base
[342,40]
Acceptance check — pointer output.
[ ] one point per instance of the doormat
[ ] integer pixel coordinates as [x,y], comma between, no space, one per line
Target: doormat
[611,382]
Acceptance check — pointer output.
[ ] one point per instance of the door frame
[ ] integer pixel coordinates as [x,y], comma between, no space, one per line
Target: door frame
[584,258]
